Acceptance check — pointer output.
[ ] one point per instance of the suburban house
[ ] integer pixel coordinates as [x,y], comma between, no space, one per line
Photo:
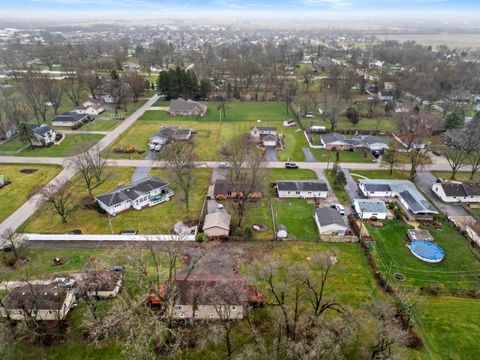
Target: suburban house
[169,133]
[385,95]
[180,107]
[92,110]
[457,138]
[329,221]
[44,135]
[414,203]
[217,224]
[224,189]
[266,135]
[374,143]
[211,297]
[92,102]
[146,192]
[454,191]
[71,119]
[8,130]
[304,189]
[102,284]
[336,141]
[370,209]
[50,301]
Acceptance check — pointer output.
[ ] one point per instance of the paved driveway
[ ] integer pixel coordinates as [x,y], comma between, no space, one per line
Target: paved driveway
[308,155]
[424,182]
[141,172]
[351,188]
[271,153]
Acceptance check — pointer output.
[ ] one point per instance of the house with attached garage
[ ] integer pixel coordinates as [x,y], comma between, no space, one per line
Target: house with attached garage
[374,143]
[329,221]
[43,135]
[370,209]
[454,192]
[304,189]
[336,141]
[92,110]
[266,135]
[138,195]
[71,119]
[44,302]
[167,134]
[410,199]
[211,297]
[180,107]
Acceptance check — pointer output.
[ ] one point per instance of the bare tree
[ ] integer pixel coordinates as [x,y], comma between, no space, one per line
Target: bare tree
[136,83]
[244,174]
[54,93]
[181,158]
[73,88]
[16,243]
[332,106]
[60,197]
[391,157]
[33,88]
[456,157]
[92,166]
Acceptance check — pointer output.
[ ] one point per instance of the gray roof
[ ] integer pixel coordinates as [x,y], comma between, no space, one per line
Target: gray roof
[302,185]
[40,130]
[371,205]
[328,216]
[180,105]
[70,116]
[264,128]
[132,191]
[217,219]
[403,188]
[461,189]
[333,137]
[370,139]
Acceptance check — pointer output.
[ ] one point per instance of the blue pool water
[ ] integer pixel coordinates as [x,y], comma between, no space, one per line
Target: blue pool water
[427,251]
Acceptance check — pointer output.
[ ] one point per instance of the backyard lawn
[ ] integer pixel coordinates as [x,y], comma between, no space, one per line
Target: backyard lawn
[68,147]
[153,220]
[459,269]
[450,326]
[15,194]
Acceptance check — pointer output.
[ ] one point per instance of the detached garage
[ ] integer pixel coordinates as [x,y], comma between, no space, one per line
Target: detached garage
[370,209]
[329,221]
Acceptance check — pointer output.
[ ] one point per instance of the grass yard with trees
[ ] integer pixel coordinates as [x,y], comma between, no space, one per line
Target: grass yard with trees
[15,194]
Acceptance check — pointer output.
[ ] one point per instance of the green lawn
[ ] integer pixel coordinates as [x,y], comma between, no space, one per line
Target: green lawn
[153,220]
[12,145]
[459,176]
[451,326]
[384,124]
[100,125]
[340,193]
[294,216]
[323,155]
[68,147]
[459,269]
[381,174]
[15,194]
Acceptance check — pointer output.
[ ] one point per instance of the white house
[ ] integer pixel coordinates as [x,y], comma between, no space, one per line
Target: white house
[406,193]
[269,140]
[329,221]
[92,110]
[306,189]
[370,209]
[375,143]
[92,102]
[454,192]
[258,132]
[51,301]
[44,135]
[146,192]
[70,119]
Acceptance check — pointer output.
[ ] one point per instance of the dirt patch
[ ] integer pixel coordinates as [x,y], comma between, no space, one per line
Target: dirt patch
[28,171]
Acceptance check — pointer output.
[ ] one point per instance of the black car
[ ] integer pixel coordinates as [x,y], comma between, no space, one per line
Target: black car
[289,165]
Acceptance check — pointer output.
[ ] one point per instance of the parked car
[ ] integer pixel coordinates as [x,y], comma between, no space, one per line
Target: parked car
[309,115]
[118,268]
[340,208]
[220,206]
[152,147]
[158,147]
[69,282]
[222,165]
[290,165]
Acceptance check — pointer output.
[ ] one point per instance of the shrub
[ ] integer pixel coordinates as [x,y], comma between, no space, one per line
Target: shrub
[391,205]
[201,237]
[248,233]
[432,289]
[340,179]
[398,212]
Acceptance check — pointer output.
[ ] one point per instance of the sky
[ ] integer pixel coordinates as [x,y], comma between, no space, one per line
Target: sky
[236,8]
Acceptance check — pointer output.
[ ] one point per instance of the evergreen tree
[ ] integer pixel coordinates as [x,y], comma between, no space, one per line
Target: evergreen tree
[455,119]
[340,179]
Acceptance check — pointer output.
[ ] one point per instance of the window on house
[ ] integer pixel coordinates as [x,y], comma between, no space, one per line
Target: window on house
[298,193]
[178,307]
[229,193]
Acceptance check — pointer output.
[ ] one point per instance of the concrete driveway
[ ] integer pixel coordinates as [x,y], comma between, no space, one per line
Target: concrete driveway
[308,155]
[141,172]
[271,153]
[351,188]
[424,182]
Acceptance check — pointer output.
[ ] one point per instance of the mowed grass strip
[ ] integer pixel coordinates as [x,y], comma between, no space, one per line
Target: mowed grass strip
[15,194]
[459,269]
[158,219]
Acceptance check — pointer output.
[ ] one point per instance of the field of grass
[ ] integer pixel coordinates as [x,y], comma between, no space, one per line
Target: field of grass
[381,174]
[15,194]
[382,123]
[450,326]
[459,269]
[12,145]
[100,125]
[323,155]
[462,176]
[68,147]
[153,220]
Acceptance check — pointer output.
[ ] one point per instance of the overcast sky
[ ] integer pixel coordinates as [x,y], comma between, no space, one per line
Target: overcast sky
[239,8]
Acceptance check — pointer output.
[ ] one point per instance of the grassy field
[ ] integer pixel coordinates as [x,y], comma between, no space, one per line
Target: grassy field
[323,155]
[382,123]
[381,174]
[154,220]
[68,147]
[100,125]
[18,192]
[12,145]
[462,176]
[297,217]
[211,134]
[450,326]
[459,269]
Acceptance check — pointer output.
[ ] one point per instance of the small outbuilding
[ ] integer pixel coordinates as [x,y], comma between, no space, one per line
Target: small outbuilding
[217,224]
[370,209]
[329,221]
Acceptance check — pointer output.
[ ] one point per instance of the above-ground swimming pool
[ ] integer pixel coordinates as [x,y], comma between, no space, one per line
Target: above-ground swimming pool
[427,251]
